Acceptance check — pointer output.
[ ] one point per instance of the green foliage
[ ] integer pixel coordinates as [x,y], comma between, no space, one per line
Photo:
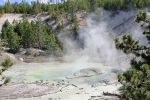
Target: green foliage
[13,41]
[52,43]
[7,80]
[114,4]
[8,7]
[1,10]
[71,5]
[10,37]
[136,81]
[7,63]
[40,34]
[29,35]
[75,26]
[36,8]
[141,16]
[2,45]
[140,3]
[5,27]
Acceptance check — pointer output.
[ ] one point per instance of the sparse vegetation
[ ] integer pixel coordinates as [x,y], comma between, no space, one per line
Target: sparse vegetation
[7,80]
[7,63]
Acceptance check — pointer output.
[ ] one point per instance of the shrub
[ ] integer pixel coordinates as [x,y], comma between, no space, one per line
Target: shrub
[7,80]
[7,63]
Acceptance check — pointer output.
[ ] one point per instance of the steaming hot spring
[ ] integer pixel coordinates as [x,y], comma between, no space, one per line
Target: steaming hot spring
[83,72]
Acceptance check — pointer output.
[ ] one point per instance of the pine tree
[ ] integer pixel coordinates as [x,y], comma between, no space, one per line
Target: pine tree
[13,40]
[136,81]
[1,10]
[8,7]
[28,36]
[10,37]
[92,5]
[36,8]
[40,33]
[75,26]
[5,28]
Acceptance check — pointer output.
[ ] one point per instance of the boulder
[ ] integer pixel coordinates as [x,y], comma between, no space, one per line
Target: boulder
[34,52]
[87,72]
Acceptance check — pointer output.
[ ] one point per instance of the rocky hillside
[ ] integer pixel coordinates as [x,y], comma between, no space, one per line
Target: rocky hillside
[118,21]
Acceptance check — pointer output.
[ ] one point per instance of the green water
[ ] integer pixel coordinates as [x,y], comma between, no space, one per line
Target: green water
[54,71]
[48,74]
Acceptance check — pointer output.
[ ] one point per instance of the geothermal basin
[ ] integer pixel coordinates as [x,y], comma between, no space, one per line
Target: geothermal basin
[59,80]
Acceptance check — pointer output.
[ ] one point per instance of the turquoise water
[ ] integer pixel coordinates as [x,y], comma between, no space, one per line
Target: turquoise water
[55,71]
[48,74]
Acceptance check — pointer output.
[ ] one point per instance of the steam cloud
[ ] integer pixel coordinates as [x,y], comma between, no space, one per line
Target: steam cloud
[97,37]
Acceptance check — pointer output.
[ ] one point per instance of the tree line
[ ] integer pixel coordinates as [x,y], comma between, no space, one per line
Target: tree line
[69,5]
[25,34]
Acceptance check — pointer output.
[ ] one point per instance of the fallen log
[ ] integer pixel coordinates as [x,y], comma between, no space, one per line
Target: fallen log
[111,94]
